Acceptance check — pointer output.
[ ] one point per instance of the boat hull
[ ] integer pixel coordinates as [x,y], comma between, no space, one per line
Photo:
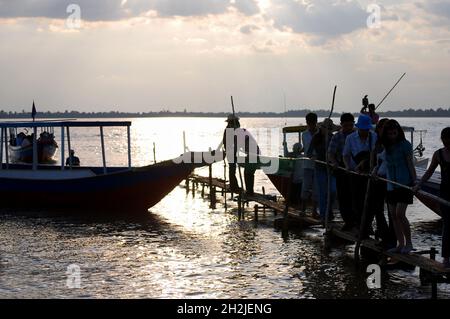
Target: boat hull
[125,190]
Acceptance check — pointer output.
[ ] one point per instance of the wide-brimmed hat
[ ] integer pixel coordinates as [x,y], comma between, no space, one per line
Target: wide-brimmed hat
[364,122]
[232,118]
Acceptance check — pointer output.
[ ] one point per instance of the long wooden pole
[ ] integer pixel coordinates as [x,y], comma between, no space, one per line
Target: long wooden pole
[426,194]
[62,148]
[6,149]
[395,85]
[1,148]
[69,146]
[328,208]
[129,146]
[362,226]
[35,151]
[234,126]
[102,138]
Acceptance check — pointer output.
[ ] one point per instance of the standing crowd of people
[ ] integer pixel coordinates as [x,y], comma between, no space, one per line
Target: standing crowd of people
[355,151]
[370,146]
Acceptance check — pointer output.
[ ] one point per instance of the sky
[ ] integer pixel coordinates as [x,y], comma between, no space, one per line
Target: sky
[149,55]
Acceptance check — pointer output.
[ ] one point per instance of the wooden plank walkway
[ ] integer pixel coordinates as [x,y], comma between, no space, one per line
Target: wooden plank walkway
[427,265]
[412,259]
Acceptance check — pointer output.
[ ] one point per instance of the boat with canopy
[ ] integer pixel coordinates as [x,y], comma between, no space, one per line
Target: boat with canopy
[37,185]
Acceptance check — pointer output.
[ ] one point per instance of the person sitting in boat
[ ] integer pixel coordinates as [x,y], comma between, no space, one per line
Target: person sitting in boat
[20,138]
[297,178]
[28,140]
[72,160]
[242,141]
[442,158]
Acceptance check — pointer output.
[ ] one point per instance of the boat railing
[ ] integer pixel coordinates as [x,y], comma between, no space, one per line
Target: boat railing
[65,134]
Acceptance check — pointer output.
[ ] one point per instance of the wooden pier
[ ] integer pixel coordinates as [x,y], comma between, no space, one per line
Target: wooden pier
[431,271]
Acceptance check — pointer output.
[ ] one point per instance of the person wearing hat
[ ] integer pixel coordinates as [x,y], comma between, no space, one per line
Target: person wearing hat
[236,139]
[356,155]
[318,151]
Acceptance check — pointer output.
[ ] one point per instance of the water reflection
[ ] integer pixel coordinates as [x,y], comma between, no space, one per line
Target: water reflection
[183,249]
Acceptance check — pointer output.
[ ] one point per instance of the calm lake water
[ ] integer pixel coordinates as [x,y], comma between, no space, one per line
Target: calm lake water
[183,249]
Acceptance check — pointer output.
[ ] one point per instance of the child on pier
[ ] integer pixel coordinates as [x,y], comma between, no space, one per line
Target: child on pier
[401,170]
[442,158]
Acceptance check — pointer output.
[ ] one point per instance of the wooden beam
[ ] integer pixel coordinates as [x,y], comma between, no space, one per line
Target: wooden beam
[1,148]
[129,146]
[102,138]
[35,150]
[63,160]
[69,147]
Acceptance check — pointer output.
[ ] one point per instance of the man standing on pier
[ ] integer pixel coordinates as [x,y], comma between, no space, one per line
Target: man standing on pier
[356,155]
[236,139]
[335,155]
[309,187]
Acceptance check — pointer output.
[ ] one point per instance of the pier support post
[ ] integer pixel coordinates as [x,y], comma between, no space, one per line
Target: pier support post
[187,185]
[264,194]
[256,212]
[433,276]
[363,226]
[240,213]
[213,197]
[193,188]
[203,190]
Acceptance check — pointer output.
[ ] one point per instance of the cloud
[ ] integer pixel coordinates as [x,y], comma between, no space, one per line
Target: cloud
[323,18]
[111,10]
[247,7]
[439,8]
[249,28]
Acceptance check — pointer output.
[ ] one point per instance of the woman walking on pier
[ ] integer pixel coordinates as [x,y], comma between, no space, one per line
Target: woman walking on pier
[400,169]
[442,158]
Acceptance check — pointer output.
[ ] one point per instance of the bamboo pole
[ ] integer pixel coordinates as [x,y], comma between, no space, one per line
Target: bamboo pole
[426,194]
[327,212]
[225,184]
[362,226]
[35,151]
[103,149]
[129,146]
[379,104]
[1,148]
[70,147]
[238,166]
[63,164]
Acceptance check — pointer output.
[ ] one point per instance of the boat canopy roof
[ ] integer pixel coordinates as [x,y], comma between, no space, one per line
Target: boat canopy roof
[64,124]
[295,129]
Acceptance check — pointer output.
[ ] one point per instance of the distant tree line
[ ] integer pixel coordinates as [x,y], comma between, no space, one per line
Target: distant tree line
[440,112]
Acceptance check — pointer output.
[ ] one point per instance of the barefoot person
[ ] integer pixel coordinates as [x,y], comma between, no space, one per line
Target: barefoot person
[400,169]
[235,140]
[309,189]
[442,158]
